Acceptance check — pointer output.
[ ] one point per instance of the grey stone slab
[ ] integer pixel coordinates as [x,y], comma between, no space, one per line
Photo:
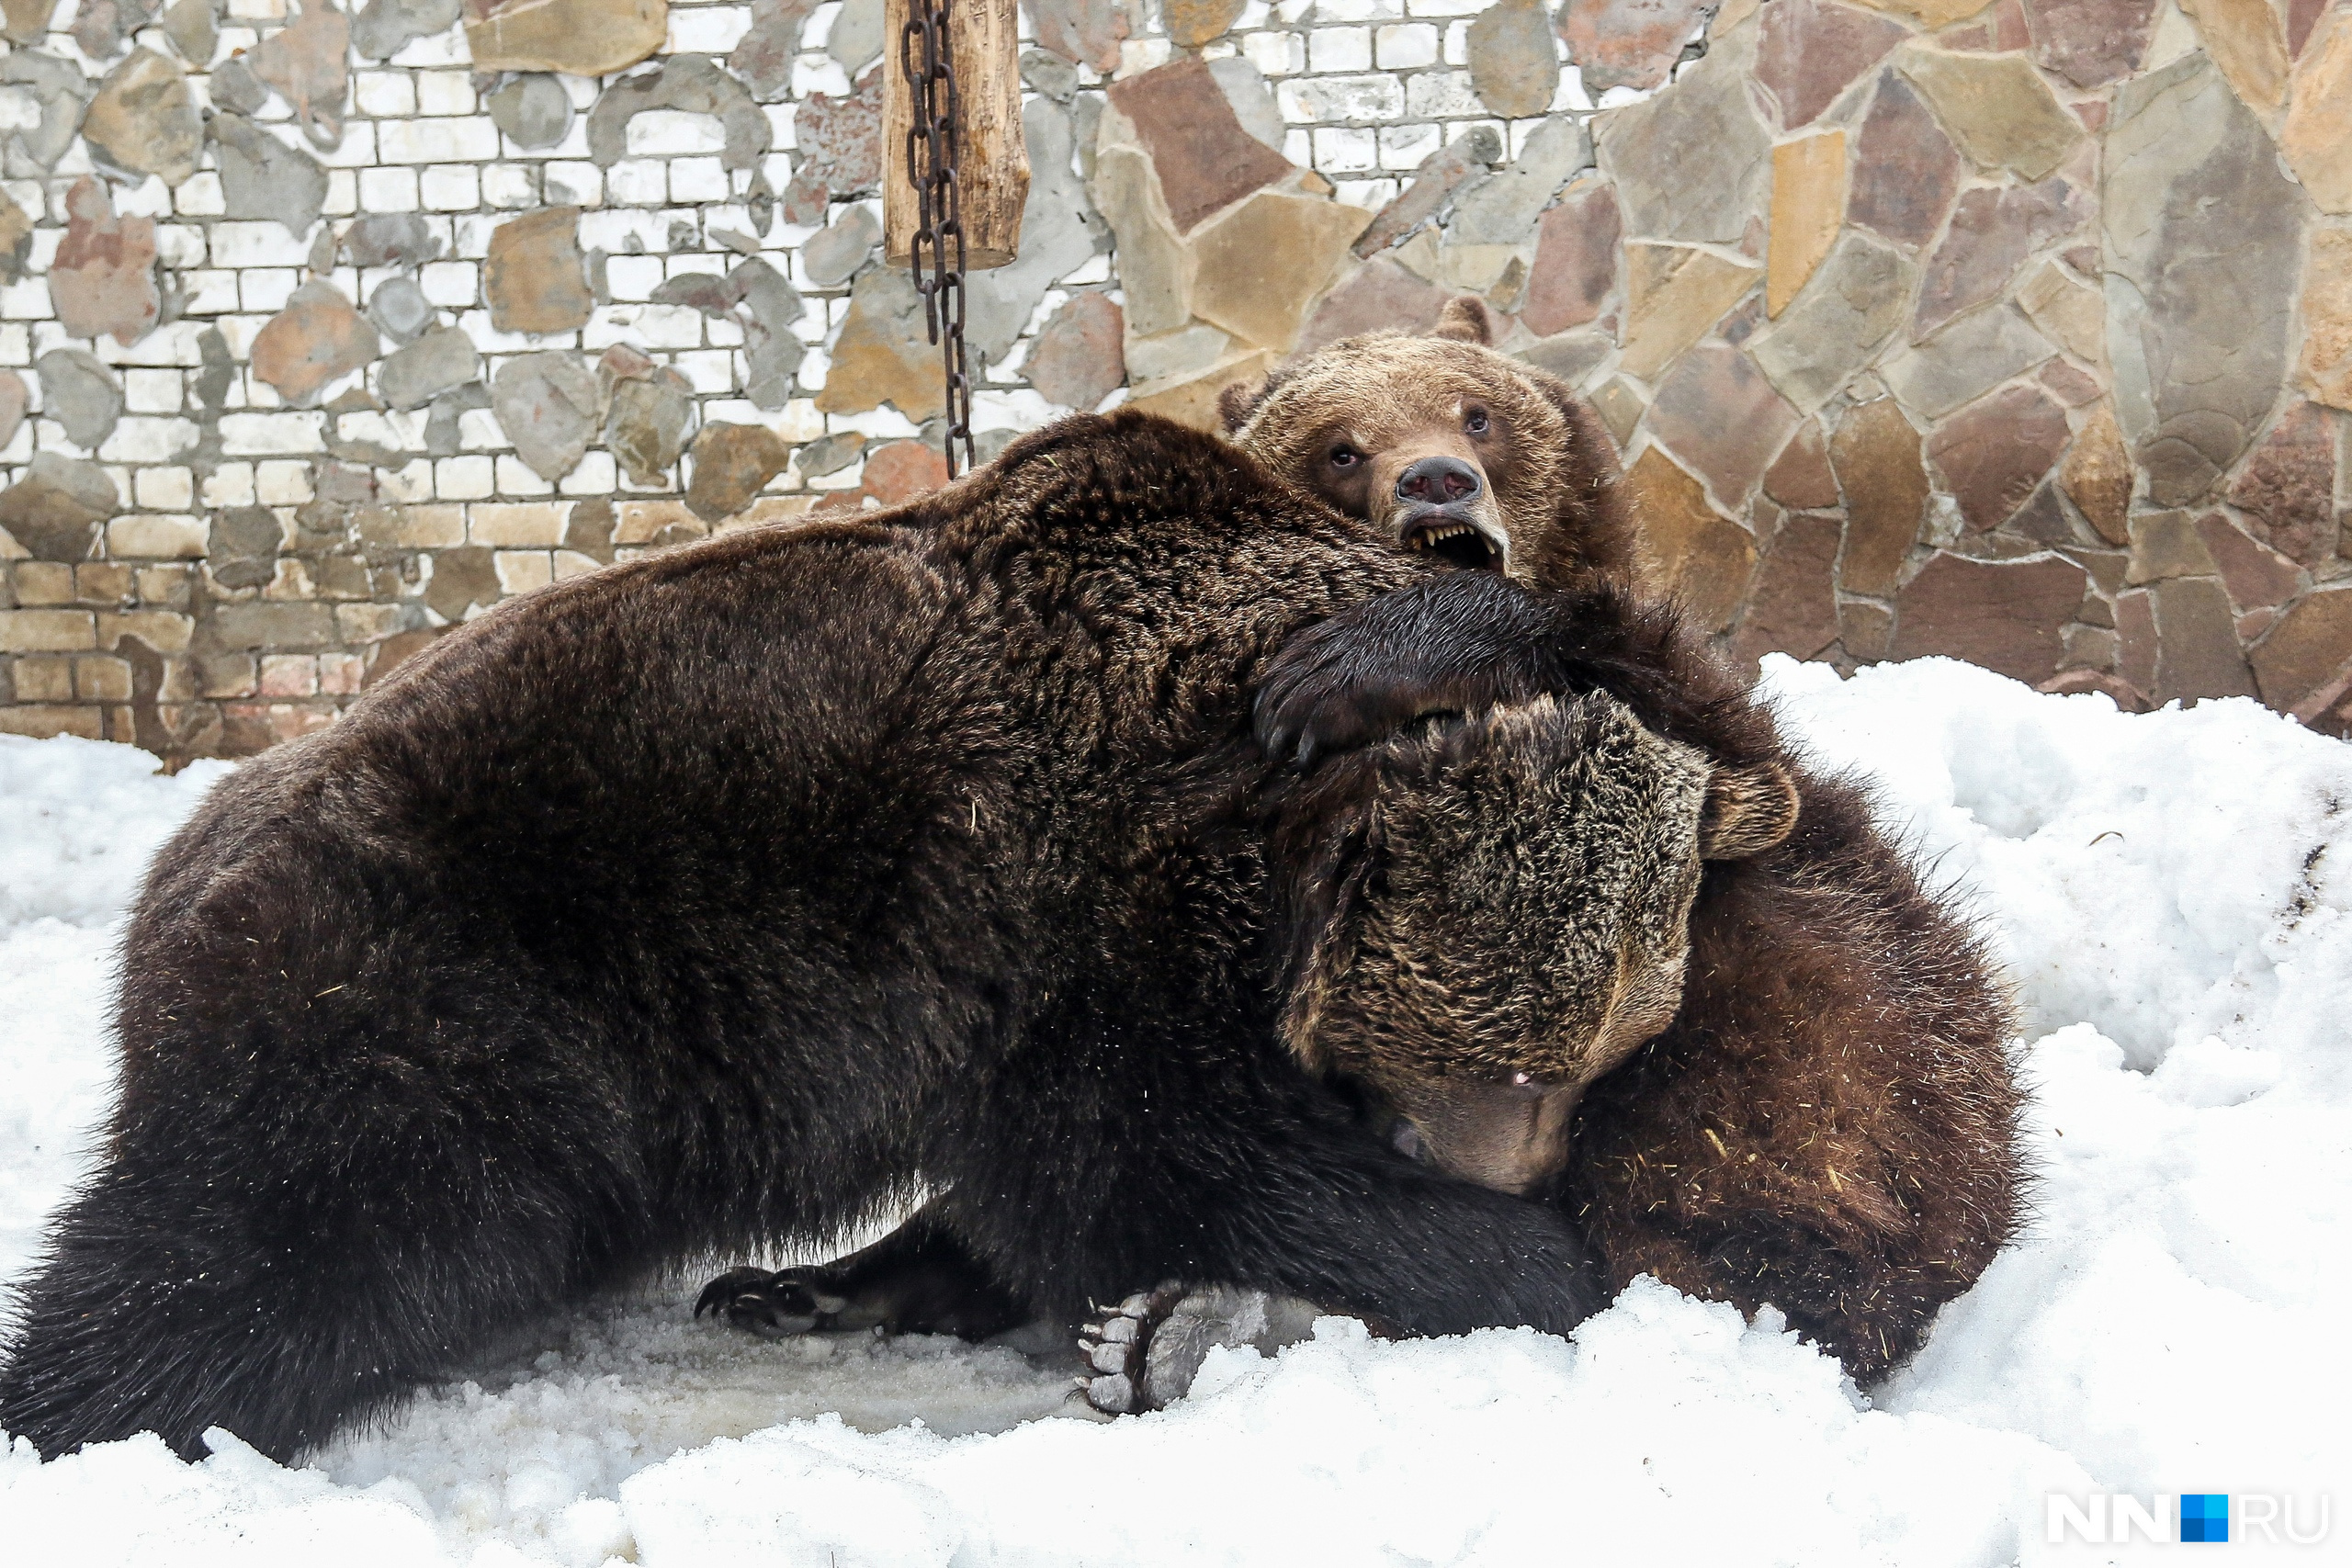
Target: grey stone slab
[61,90]
[1054,237]
[390,239]
[549,406]
[77,392]
[1693,162]
[647,424]
[533,110]
[1502,210]
[442,360]
[771,351]
[1853,302]
[2203,239]
[1245,87]
[262,177]
[693,84]
[833,254]
[856,41]
[383,28]
[194,31]
[400,310]
[235,86]
[1964,360]
[443,436]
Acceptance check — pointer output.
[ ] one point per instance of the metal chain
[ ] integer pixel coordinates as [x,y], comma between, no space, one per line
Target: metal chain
[932,153]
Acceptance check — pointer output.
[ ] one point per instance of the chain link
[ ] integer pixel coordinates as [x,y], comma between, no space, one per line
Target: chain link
[931,161]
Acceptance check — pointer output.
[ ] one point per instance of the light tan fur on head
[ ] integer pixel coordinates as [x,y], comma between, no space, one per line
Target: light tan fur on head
[1494,911]
[1386,425]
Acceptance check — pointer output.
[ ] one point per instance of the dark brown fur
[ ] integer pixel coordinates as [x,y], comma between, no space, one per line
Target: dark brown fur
[718,898]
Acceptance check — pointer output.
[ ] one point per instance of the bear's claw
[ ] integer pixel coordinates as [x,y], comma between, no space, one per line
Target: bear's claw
[774,1304]
[1116,1348]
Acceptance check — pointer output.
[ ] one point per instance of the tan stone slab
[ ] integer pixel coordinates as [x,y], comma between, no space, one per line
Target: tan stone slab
[1264,262]
[1699,555]
[2326,364]
[47,631]
[583,38]
[2246,40]
[1876,454]
[1155,265]
[1930,13]
[882,355]
[1193,400]
[638,522]
[2306,650]
[2097,474]
[1996,106]
[2317,137]
[1673,294]
[535,278]
[1808,206]
[144,120]
[517,525]
[45,721]
[2070,313]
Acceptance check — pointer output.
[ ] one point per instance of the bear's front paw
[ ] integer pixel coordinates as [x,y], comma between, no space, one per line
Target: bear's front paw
[774,1304]
[1143,1353]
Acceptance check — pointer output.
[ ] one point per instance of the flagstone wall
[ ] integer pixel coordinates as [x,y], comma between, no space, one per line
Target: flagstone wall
[2020,331]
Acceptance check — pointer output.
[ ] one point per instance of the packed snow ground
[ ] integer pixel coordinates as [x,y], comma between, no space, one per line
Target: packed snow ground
[2171,892]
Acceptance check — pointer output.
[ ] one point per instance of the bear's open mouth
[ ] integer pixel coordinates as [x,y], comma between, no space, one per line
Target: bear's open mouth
[1455,539]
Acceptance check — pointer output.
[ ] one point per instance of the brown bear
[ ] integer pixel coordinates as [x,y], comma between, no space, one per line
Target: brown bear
[717,898]
[1827,1123]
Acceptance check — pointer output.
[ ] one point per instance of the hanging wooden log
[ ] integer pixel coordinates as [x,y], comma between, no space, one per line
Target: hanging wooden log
[993,160]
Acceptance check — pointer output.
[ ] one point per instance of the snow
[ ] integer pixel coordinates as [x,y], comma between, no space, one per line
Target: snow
[2170,892]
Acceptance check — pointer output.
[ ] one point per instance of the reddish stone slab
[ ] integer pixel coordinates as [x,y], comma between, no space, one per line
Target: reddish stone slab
[1078,357]
[1792,606]
[839,144]
[2258,577]
[2306,650]
[2289,485]
[1800,476]
[1995,451]
[1992,232]
[1576,261]
[2197,653]
[1084,32]
[103,280]
[1717,412]
[1905,169]
[1627,43]
[1205,160]
[1382,294]
[2006,616]
[2090,42]
[901,470]
[1808,52]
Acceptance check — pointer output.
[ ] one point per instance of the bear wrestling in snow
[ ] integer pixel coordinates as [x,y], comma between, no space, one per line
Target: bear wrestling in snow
[1827,1123]
[720,898]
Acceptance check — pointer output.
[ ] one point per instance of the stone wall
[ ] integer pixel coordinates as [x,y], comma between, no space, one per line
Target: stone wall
[2016,332]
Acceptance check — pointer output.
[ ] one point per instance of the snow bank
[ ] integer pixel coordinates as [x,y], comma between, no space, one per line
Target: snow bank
[2170,891]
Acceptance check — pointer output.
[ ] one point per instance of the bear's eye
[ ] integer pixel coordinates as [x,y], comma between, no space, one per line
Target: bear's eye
[1474,421]
[1345,457]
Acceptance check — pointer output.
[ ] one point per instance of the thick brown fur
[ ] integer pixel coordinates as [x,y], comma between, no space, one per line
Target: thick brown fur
[717,898]
[1828,1123]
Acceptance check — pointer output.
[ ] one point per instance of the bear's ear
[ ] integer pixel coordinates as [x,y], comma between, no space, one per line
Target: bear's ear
[1464,321]
[1238,402]
[1747,811]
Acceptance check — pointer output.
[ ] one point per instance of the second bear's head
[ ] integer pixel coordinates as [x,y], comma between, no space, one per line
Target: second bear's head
[1447,447]
[1488,912]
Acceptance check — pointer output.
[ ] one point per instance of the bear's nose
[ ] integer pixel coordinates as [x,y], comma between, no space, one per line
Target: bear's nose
[1438,481]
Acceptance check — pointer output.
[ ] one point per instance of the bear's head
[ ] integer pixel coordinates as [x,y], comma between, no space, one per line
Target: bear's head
[1486,912]
[1449,448]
